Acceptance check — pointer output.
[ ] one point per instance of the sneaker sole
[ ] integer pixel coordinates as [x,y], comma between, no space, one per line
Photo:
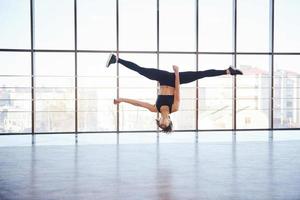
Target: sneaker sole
[234,68]
[109,58]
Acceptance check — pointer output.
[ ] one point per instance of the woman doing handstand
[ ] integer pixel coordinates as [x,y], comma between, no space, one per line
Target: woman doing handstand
[168,98]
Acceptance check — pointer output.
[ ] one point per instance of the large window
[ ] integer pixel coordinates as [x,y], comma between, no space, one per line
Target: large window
[96,22]
[253,92]
[54,24]
[253,30]
[177,25]
[96,91]
[15,92]
[287,91]
[215,26]
[138,29]
[54,92]
[15,19]
[215,94]
[287,26]
[53,52]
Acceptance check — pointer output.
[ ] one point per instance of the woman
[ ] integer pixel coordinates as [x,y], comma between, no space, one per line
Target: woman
[169,94]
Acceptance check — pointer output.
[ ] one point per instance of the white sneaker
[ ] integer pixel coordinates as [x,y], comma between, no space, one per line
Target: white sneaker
[111,59]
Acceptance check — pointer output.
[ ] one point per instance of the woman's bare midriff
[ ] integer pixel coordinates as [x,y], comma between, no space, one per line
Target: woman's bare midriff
[166,90]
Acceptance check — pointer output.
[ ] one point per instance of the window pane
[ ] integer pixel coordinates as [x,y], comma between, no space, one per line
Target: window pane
[8,94]
[92,65]
[54,115]
[177,25]
[186,117]
[46,92]
[253,25]
[215,25]
[96,91]
[135,86]
[15,122]
[287,92]
[137,25]
[59,83]
[253,92]
[96,24]
[15,63]
[20,105]
[15,92]
[287,26]
[54,64]
[215,94]
[49,105]
[54,92]
[54,24]
[15,19]
[54,121]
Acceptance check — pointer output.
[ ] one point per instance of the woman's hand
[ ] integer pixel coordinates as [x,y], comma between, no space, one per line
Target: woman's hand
[175,68]
[117,101]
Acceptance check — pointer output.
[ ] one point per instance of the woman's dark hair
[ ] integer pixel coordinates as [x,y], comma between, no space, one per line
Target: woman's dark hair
[167,129]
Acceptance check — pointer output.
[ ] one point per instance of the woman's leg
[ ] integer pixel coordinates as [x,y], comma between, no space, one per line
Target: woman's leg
[151,73]
[187,77]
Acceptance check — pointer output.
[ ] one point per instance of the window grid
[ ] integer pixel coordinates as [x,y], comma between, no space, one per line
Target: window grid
[271,54]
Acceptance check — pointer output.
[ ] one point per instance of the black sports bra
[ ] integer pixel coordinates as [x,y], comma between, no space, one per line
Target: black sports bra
[164,100]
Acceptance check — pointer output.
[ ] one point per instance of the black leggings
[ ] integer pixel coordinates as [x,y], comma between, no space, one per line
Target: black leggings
[168,78]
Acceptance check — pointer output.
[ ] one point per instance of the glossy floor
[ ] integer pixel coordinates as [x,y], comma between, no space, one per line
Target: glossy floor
[229,170]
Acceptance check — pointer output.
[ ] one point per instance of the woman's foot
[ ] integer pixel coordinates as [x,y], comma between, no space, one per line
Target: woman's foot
[233,71]
[111,60]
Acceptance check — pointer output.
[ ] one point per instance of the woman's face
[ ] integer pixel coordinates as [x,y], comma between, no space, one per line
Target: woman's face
[164,122]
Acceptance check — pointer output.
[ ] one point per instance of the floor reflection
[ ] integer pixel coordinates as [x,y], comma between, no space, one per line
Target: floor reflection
[163,179]
[235,170]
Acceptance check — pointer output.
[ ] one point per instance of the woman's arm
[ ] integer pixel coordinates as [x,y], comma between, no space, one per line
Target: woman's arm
[176,103]
[146,105]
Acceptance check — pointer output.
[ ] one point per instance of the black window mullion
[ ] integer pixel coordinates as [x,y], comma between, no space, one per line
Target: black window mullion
[76,77]
[32,72]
